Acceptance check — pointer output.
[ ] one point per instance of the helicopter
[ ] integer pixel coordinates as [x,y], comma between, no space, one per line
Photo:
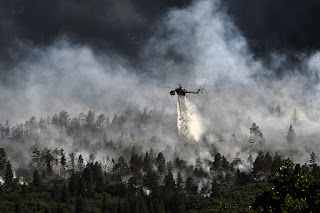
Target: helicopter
[182,92]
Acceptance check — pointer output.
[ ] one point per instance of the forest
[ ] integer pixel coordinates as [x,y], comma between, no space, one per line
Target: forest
[90,163]
[87,123]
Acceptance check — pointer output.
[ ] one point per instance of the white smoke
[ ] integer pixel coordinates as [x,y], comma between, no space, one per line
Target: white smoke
[201,44]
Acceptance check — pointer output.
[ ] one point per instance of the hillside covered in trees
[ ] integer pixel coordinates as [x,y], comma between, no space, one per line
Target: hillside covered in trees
[87,123]
[90,163]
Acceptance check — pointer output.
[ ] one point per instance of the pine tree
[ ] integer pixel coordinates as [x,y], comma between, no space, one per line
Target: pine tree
[80,205]
[141,204]
[256,136]
[258,165]
[169,191]
[80,163]
[179,182]
[268,163]
[278,111]
[72,161]
[74,184]
[98,177]
[179,197]
[36,178]
[8,178]
[23,191]
[315,170]
[237,160]
[291,136]
[63,119]
[225,164]
[215,189]
[18,206]
[277,162]
[3,159]
[104,206]
[191,186]
[82,186]
[161,163]
[90,120]
[36,155]
[49,159]
[60,209]
[42,123]
[99,123]
[147,162]
[216,164]
[121,167]
[65,194]
[169,182]
[55,193]
[63,160]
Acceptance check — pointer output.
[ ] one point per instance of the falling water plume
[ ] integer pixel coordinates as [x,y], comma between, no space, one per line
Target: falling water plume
[189,121]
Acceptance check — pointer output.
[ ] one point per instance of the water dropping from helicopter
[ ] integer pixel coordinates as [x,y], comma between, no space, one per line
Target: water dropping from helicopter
[189,120]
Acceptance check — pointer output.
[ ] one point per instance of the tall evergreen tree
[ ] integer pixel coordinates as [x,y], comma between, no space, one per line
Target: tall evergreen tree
[80,163]
[104,206]
[36,178]
[18,208]
[8,178]
[3,160]
[90,120]
[161,163]
[258,165]
[64,194]
[216,190]
[169,183]
[268,163]
[277,162]
[169,191]
[256,136]
[74,184]
[179,196]
[80,205]
[63,160]
[146,162]
[291,136]
[72,161]
[36,156]
[191,186]
[55,193]
[216,164]
[49,159]
[98,177]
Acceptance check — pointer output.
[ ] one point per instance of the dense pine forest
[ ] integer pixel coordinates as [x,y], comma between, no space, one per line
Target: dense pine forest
[133,106]
[90,163]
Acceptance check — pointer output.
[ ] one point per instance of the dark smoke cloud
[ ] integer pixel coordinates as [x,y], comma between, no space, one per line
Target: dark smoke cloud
[117,25]
[288,27]
[282,26]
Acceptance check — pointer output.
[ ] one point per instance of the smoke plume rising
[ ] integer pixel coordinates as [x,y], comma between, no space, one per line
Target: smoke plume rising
[199,44]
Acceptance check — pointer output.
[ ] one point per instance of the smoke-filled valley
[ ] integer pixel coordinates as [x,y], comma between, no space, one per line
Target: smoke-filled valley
[101,127]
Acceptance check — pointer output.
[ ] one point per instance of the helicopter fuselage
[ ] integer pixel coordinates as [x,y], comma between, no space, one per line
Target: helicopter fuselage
[182,92]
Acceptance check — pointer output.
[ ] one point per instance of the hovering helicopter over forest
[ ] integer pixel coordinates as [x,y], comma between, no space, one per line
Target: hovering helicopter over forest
[182,92]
